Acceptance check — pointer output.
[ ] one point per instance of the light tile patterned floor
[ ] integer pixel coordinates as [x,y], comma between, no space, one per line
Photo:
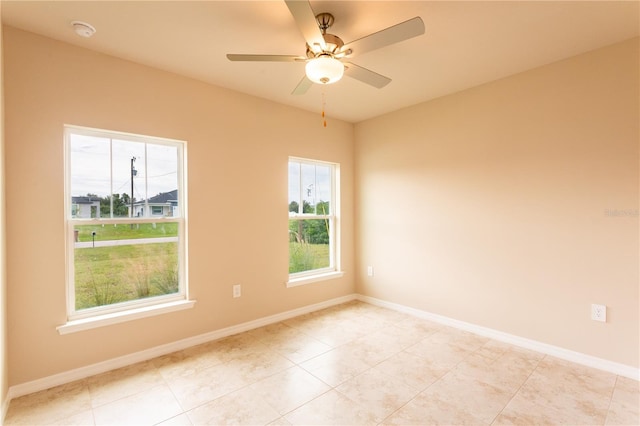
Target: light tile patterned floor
[346,365]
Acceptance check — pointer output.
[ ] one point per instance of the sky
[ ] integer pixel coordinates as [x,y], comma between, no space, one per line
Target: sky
[102,166]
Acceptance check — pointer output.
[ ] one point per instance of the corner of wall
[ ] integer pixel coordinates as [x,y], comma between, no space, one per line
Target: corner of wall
[4,369]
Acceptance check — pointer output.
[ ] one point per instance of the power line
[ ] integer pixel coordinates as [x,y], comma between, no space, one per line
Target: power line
[165,174]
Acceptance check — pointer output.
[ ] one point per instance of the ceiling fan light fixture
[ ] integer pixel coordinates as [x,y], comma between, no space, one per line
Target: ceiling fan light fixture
[324,69]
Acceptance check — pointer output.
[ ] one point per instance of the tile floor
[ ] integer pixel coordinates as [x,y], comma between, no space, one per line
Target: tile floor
[346,365]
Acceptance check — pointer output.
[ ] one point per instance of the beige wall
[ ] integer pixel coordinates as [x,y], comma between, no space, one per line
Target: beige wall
[238,148]
[4,365]
[489,205]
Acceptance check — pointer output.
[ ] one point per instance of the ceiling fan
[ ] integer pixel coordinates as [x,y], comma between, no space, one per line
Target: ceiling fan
[327,55]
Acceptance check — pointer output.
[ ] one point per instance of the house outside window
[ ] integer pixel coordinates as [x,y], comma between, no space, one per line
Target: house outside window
[117,260]
[85,207]
[313,212]
[162,204]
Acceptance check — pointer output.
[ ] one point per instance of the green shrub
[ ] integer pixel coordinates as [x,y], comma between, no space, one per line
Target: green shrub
[306,257]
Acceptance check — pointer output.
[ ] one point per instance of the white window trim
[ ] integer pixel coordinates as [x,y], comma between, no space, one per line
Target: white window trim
[74,326]
[334,270]
[304,280]
[135,309]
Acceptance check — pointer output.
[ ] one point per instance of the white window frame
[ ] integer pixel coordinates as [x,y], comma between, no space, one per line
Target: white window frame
[78,320]
[333,270]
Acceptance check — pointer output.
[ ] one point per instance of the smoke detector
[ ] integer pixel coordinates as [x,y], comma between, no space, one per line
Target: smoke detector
[83,29]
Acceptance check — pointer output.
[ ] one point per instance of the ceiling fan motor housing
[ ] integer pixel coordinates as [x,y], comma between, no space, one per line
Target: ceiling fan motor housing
[333,42]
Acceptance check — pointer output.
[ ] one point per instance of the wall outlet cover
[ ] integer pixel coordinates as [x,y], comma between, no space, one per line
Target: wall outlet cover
[599,312]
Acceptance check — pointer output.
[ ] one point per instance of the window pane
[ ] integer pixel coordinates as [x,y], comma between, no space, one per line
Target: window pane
[308,188]
[90,175]
[118,263]
[100,166]
[127,159]
[294,187]
[162,180]
[310,185]
[323,189]
[308,245]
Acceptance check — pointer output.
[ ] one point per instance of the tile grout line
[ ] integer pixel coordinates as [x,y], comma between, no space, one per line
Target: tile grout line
[164,379]
[418,394]
[518,390]
[613,390]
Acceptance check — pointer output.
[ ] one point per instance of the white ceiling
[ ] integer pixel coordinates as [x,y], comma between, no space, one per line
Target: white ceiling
[465,43]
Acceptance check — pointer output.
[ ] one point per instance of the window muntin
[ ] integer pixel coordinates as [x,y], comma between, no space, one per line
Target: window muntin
[120,256]
[312,217]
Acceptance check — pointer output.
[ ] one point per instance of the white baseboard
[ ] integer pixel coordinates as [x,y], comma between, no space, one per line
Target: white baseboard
[147,354]
[558,352]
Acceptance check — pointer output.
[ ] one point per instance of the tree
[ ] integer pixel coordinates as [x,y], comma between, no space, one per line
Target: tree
[306,207]
[121,204]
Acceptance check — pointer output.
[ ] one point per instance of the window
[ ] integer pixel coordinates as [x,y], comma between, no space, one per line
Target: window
[120,257]
[312,220]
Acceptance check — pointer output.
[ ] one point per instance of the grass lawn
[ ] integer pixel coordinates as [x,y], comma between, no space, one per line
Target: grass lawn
[305,257]
[113,274]
[123,231]
[107,275]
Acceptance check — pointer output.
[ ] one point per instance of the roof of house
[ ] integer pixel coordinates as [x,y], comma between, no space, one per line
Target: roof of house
[163,197]
[85,200]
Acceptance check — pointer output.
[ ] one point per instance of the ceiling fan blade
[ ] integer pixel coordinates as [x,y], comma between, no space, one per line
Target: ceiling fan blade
[303,86]
[399,32]
[264,58]
[306,20]
[366,76]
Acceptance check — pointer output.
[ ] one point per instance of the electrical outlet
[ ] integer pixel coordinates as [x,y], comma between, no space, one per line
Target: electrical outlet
[599,312]
[237,290]
[370,271]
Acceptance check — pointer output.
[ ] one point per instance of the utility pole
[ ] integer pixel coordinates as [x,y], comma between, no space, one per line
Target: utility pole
[133,173]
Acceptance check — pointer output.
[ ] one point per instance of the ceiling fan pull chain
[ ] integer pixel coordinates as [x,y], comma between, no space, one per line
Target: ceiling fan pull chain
[324,120]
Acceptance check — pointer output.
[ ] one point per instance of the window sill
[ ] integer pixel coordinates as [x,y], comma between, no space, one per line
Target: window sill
[119,317]
[314,278]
